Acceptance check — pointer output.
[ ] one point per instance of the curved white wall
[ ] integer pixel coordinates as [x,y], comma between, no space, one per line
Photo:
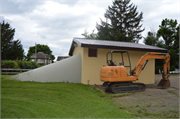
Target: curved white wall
[66,70]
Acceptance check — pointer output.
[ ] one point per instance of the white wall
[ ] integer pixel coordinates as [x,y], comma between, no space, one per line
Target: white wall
[66,70]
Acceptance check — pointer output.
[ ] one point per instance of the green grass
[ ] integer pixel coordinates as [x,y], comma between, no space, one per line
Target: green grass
[170,91]
[20,99]
[148,105]
[122,95]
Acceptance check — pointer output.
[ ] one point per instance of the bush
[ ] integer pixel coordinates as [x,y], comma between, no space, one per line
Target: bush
[19,64]
[9,64]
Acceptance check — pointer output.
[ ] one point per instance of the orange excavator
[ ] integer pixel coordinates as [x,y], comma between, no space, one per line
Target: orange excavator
[117,80]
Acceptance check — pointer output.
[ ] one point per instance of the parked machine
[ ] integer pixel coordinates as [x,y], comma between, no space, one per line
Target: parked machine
[116,78]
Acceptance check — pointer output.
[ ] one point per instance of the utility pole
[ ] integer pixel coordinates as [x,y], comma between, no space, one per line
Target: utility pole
[35,52]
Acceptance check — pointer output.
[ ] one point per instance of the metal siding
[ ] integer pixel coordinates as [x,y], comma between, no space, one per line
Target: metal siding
[102,43]
[66,70]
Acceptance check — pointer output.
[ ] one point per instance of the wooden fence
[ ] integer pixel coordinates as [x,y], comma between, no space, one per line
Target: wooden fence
[16,71]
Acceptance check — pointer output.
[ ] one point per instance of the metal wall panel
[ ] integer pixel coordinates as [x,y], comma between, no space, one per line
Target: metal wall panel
[66,70]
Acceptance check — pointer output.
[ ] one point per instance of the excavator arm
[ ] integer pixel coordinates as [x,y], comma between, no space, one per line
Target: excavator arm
[151,55]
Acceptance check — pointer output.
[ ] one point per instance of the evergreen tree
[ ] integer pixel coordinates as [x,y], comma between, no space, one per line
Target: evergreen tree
[122,23]
[10,50]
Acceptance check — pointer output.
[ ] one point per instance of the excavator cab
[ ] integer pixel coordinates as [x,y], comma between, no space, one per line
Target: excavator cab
[122,53]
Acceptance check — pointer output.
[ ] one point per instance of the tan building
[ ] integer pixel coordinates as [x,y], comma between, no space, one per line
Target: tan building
[93,57]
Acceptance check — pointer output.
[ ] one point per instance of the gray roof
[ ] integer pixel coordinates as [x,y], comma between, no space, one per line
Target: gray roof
[82,42]
[61,58]
[40,55]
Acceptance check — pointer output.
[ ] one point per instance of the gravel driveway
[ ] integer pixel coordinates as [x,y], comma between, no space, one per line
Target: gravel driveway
[153,102]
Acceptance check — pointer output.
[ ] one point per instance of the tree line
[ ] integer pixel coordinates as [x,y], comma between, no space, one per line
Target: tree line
[124,23]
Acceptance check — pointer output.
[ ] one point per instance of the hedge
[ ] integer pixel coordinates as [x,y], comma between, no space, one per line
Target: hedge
[19,64]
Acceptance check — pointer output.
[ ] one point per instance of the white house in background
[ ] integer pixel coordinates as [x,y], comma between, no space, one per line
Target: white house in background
[41,58]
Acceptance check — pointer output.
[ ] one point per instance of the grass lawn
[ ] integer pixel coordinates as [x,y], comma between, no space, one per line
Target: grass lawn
[23,99]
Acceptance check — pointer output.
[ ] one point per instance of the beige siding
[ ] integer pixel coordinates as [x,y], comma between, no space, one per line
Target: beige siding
[91,65]
[147,75]
[79,50]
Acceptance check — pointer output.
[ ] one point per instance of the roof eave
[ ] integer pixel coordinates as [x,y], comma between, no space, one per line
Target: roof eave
[124,48]
[111,47]
[71,48]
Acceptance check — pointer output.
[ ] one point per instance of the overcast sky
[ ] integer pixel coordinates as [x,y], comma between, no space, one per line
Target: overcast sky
[56,22]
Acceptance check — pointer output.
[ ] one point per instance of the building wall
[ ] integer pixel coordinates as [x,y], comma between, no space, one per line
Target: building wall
[40,60]
[91,65]
[147,75]
[80,50]
[47,61]
[67,70]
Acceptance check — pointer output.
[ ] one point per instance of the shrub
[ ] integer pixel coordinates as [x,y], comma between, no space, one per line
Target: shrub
[9,64]
[19,64]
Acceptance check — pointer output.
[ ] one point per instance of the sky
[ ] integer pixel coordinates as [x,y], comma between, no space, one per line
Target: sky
[56,22]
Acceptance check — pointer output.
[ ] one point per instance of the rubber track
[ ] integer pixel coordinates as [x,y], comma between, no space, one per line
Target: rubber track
[127,87]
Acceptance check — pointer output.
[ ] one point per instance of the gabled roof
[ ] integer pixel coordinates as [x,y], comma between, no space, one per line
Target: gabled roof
[40,55]
[92,43]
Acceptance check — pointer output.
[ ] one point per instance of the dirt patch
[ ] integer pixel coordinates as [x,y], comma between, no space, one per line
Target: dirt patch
[154,102]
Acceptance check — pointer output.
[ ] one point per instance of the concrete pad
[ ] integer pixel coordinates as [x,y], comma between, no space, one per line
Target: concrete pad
[66,70]
[154,101]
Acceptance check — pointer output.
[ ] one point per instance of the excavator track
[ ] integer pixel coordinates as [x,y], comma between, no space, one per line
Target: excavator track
[126,87]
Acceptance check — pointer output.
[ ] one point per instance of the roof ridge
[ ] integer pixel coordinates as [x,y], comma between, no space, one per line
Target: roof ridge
[118,42]
[103,40]
[86,42]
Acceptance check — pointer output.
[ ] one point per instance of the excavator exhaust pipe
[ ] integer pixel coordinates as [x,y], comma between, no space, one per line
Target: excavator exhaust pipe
[164,83]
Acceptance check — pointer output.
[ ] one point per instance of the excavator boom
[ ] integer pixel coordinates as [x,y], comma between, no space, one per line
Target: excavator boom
[164,83]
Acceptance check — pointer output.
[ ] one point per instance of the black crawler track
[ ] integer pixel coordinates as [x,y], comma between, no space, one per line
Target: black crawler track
[125,87]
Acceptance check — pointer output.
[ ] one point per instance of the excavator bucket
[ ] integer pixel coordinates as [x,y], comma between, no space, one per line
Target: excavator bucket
[164,83]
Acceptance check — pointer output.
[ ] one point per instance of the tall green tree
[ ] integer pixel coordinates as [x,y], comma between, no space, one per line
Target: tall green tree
[40,48]
[122,22]
[10,49]
[169,31]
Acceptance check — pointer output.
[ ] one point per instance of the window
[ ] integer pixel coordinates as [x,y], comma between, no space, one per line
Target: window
[92,52]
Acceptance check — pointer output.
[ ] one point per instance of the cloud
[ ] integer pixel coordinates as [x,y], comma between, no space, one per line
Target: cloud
[53,22]
[154,11]
[12,7]
[56,22]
